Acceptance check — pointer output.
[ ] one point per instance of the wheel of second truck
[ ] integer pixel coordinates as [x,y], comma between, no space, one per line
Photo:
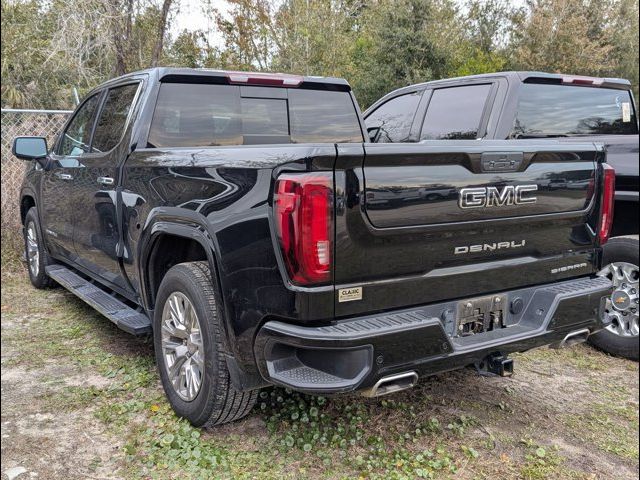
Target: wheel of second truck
[37,257]
[621,337]
[187,338]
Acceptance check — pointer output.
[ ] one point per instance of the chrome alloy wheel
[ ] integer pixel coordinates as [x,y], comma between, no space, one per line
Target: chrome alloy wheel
[622,307]
[33,250]
[182,346]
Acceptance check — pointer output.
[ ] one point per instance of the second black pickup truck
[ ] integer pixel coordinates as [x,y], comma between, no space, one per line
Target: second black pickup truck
[244,221]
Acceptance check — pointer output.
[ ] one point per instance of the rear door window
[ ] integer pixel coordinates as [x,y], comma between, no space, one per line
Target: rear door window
[216,115]
[113,117]
[77,136]
[395,118]
[455,113]
[565,110]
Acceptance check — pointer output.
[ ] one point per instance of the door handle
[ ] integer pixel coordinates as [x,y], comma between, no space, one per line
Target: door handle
[105,180]
[64,176]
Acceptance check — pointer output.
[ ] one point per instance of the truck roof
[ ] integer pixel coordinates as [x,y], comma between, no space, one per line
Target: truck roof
[206,75]
[531,77]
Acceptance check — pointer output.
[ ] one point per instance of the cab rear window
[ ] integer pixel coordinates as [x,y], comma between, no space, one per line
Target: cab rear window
[197,115]
[564,110]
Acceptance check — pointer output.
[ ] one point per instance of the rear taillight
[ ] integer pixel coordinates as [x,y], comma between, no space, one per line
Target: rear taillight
[303,210]
[608,194]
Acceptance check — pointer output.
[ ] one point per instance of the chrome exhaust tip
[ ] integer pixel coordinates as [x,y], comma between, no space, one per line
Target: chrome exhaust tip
[391,384]
[573,338]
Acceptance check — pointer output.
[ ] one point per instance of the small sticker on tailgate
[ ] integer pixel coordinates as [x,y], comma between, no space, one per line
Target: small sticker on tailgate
[626,112]
[349,294]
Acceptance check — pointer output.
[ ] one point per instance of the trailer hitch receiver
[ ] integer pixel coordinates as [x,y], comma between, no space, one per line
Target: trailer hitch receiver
[495,364]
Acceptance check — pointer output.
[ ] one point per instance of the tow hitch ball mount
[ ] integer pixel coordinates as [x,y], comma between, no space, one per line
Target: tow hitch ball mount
[495,364]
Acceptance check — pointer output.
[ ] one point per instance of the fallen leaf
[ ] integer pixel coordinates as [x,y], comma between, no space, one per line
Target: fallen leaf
[15,472]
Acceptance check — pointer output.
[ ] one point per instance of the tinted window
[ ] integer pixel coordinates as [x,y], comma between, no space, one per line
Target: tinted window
[395,118]
[196,115]
[568,110]
[77,136]
[264,116]
[323,117]
[113,117]
[212,115]
[455,113]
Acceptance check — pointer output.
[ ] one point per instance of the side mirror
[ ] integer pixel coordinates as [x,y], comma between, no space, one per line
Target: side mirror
[29,148]
[373,133]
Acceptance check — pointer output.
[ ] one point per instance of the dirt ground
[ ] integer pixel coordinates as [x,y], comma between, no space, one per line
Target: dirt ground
[81,399]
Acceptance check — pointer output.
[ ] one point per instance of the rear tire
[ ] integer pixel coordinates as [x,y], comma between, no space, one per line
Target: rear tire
[624,341]
[187,337]
[37,257]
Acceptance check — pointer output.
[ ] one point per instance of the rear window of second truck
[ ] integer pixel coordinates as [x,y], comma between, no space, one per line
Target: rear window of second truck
[563,110]
[197,115]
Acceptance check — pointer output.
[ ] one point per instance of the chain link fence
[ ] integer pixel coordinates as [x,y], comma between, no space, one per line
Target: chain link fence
[16,123]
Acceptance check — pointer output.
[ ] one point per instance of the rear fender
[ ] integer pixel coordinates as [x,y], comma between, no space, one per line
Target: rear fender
[185,224]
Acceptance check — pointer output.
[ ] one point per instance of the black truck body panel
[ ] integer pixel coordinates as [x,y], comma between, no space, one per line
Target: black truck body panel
[398,262]
[497,122]
[400,235]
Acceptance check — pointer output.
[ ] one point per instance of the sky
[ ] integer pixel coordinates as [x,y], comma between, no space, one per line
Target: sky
[191,17]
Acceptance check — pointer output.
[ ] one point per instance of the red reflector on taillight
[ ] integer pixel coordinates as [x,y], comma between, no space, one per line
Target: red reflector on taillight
[303,210]
[608,198]
[582,81]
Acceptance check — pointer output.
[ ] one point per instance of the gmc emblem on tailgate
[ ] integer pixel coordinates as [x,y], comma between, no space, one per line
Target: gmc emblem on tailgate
[478,197]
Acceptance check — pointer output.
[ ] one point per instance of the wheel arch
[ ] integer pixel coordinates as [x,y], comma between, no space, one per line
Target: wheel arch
[27,201]
[188,240]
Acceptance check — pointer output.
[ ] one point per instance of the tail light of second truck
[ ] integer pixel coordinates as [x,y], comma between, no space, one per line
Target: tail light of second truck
[606,214]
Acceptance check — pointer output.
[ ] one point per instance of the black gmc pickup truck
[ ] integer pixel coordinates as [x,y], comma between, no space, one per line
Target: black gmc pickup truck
[244,221]
[521,105]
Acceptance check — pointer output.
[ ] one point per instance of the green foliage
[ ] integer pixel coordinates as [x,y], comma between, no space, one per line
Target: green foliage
[51,46]
[187,50]
[624,38]
[318,427]
[540,462]
[479,61]
[400,44]
[563,36]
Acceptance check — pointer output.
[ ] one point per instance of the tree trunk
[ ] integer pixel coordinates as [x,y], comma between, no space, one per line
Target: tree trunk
[113,10]
[162,28]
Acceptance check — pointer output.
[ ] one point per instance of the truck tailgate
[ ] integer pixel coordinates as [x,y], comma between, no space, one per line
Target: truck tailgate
[419,223]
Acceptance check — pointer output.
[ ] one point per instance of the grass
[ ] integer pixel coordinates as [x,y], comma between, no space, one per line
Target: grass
[456,425]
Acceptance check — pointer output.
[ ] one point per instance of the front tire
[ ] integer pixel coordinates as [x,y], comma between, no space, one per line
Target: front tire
[187,337]
[621,266]
[37,257]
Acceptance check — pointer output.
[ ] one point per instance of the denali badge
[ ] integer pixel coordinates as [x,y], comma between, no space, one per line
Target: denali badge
[488,247]
[478,197]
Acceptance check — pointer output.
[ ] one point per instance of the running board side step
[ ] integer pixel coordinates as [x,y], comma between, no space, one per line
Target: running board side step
[124,317]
